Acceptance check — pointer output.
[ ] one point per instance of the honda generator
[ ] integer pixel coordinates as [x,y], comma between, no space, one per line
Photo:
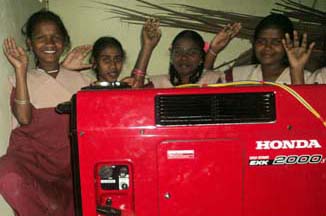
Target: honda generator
[249,150]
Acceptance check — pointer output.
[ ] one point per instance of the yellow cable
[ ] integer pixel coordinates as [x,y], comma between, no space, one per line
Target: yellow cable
[288,89]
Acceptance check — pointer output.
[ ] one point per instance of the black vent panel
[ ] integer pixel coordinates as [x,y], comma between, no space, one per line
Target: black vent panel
[215,108]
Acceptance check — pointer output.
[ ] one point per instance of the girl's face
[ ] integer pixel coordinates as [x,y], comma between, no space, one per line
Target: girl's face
[109,64]
[186,57]
[268,47]
[47,43]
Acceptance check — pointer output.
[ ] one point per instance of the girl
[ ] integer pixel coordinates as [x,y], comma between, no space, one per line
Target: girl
[35,174]
[276,57]
[187,64]
[107,57]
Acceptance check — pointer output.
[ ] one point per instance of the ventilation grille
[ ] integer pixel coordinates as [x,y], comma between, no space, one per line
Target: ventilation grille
[215,108]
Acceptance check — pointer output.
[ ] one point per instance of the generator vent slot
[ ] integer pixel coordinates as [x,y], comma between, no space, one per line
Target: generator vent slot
[215,108]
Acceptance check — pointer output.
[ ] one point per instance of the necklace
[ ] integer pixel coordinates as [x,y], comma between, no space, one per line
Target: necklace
[49,72]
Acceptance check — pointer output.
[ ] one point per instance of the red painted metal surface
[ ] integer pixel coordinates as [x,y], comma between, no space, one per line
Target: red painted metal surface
[200,170]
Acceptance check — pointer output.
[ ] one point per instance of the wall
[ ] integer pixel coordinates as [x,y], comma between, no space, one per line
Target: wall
[87,21]
[13,14]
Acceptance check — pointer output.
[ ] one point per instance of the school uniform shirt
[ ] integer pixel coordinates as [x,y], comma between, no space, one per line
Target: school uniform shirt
[319,76]
[208,77]
[254,72]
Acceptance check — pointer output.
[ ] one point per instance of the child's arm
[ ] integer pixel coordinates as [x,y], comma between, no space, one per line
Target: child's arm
[298,55]
[219,42]
[151,35]
[17,57]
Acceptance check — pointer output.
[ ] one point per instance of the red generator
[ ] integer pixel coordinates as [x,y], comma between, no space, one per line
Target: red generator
[226,151]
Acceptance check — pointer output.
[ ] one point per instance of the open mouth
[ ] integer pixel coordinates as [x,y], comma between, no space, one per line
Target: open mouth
[49,51]
[184,66]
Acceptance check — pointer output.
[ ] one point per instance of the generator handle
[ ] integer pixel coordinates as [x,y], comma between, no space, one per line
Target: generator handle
[64,108]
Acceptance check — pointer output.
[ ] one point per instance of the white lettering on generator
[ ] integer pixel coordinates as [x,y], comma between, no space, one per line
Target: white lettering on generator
[287,144]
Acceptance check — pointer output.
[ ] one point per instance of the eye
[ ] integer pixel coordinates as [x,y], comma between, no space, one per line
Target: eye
[38,37]
[107,60]
[177,52]
[260,41]
[276,42]
[193,52]
[57,38]
[117,59]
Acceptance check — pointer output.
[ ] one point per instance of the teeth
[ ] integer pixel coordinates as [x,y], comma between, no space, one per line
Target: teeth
[49,51]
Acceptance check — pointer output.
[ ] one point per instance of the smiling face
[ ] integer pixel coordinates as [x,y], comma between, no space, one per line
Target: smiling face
[268,47]
[47,43]
[186,57]
[109,64]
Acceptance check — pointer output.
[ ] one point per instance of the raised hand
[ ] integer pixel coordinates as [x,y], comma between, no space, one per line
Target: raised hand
[223,37]
[150,36]
[76,57]
[16,55]
[298,52]
[219,42]
[151,33]
[18,58]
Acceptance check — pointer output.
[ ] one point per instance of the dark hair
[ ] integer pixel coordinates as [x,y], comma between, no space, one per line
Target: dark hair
[276,21]
[104,42]
[195,37]
[101,44]
[45,16]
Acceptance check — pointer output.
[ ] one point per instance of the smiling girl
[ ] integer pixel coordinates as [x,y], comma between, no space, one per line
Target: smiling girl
[278,54]
[187,56]
[35,174]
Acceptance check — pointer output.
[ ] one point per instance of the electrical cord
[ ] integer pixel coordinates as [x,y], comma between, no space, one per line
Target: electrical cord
[288,89]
